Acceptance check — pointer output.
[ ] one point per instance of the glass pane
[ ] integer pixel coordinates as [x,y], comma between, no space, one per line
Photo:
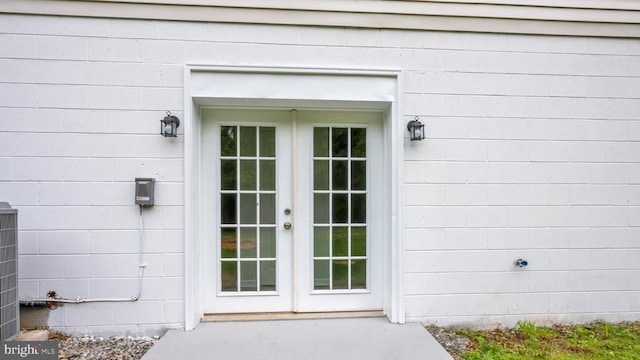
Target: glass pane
[340,174]
[321,142]
[358,241]
[228,141]
[267,208]
[228,208]
[267,174]
[340,270]
[247,141]
[267,276]
[247,175]
[267,141]
[321,175]
[321,208]
[229,276]
[358,142]
[358,208]
[248,242]
[228,243]
[358,175]
[320,241]
[340,241]
[267,242]
[321,275]
[248,276]
[340,139]
[358,274]
[228,174]
[340,208]
[247,208]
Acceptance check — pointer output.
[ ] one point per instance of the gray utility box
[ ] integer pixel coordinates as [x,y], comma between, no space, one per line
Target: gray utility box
[9,304]
[144,191]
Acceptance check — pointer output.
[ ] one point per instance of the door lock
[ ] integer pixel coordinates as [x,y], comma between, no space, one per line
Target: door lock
[287,225]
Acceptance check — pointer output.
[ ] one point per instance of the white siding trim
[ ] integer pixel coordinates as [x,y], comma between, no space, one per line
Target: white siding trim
[594,18]
[193,298]
[196,94]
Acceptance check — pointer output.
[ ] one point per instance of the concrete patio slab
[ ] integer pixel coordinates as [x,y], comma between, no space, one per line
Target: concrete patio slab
[335,339]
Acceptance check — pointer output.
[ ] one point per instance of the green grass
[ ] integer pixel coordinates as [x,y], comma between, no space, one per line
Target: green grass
[528,341]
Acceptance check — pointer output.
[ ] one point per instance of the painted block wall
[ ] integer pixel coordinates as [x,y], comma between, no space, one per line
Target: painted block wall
[532,150]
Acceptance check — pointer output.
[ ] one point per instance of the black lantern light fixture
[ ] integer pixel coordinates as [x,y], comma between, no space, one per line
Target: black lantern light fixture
[169,125]
[416,129]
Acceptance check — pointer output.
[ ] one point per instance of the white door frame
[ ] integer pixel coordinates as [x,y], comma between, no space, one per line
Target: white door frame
[295,88]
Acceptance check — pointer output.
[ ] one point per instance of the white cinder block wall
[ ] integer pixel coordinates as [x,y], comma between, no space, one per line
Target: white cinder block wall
[532,151]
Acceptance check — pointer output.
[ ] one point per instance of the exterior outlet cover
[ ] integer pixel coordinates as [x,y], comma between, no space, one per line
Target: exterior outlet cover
[144,191]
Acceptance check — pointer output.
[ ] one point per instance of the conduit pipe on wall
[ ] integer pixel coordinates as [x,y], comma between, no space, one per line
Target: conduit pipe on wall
[53,298]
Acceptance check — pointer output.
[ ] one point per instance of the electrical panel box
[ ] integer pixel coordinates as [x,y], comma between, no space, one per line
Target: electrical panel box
[144,191]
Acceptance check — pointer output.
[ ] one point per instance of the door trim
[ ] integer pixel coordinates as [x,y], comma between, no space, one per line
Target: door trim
[306,89]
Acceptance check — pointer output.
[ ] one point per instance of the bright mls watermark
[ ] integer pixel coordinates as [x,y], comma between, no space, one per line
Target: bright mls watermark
[29,350]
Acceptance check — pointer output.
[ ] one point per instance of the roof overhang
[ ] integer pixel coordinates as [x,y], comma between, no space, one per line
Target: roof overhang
[606,18]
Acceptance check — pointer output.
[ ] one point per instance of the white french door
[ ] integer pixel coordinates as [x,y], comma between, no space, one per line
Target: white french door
[292,200]
[338,194]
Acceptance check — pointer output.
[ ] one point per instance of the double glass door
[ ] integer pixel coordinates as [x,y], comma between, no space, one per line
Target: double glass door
[293,198]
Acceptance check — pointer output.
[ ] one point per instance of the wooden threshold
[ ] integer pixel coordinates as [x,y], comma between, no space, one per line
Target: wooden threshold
[290,316]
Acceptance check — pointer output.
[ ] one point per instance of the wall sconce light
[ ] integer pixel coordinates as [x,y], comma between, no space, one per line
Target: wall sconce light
[416,129]
[169,125]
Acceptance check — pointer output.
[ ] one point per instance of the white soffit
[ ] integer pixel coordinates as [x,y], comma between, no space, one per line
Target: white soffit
[611,18]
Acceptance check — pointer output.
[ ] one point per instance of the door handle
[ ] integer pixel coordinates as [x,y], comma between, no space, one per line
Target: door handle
[287,225]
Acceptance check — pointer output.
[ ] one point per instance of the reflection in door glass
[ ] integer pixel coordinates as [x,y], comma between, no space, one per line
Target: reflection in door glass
[228,141]
[321,208]
[267,242]
[339,175]
[267,276]
[321,142]
[321,241]
[248,174]
[248,242]
[267,209]
[229,178]
[228,208]
[321,175]
[321,275]
[340,241]
[340,208]
[267,142]
[229,276]
[248,276]
[267,174]
[340,142]
[247,193]
[229,243]
[248,141]
[358,274]
[358,143]
[248,208]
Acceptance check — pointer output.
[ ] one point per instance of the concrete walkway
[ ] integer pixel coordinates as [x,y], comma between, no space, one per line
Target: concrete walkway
[334,339]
